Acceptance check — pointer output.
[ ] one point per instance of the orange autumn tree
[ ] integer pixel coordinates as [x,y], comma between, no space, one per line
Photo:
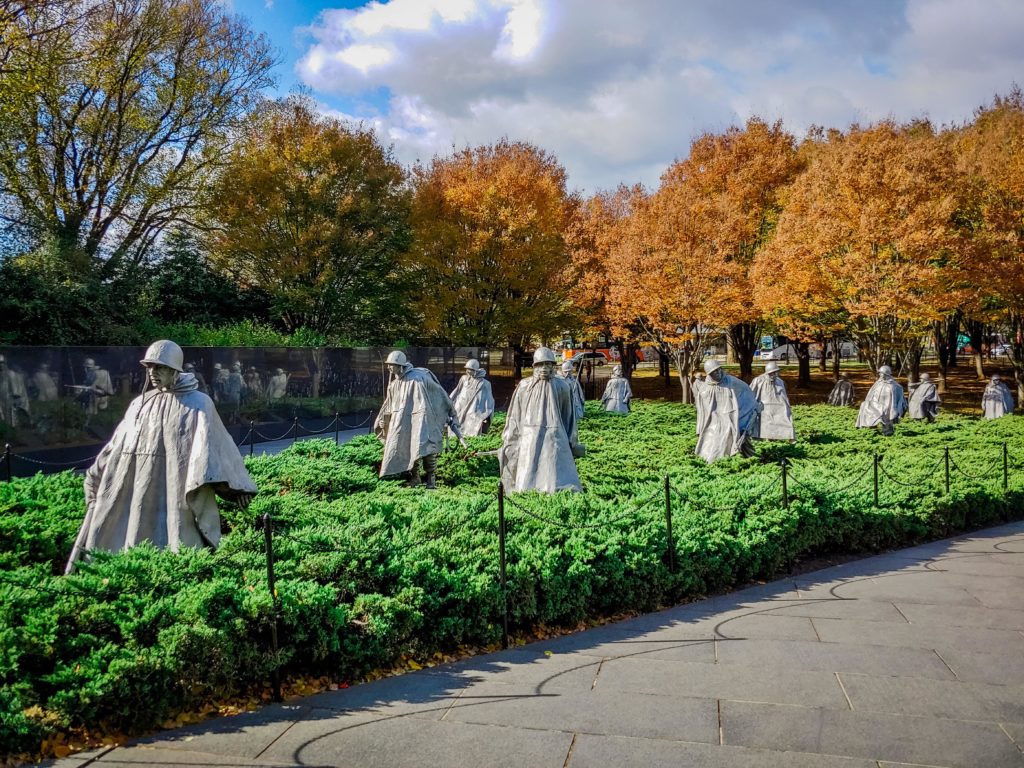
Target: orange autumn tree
[489,244]
[991,155]
[729,188]
[594,234]
[790,288]
[658,283]
[873,213]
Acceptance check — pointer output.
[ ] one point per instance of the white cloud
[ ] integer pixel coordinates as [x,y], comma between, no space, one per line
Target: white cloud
[617,90]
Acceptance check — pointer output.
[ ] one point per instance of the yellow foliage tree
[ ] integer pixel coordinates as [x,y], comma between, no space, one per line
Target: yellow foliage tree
[490,245]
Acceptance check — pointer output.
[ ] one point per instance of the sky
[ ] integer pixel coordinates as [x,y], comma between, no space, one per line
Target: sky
[617,89]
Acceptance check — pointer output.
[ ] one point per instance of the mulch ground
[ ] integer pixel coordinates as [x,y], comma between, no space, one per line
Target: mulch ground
[963,393]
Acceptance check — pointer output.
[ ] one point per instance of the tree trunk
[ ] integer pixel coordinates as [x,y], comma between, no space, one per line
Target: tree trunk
[976,331]
[803,359]
[945,333]
[629,361]
[684,359]
[517,362]
[821,341]
[837,355]
[664,365]
[1017,356]
[744,339]
[913,360]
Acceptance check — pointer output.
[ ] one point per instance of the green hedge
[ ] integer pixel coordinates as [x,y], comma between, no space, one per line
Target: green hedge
[368,570]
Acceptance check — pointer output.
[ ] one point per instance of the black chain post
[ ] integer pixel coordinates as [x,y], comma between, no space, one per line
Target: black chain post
[7,460]
[877,461]
[337,428]
[501,565]
[1006,468]
[947,470]
[785,484]
[252,436]
[370,430]
[668,527]
[295,430]
[268,537]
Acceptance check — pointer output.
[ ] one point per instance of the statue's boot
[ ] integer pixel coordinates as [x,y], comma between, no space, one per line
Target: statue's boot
[414,474]
[430,465]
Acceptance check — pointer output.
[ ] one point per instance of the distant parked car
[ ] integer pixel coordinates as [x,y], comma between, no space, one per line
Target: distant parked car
[784,352]
[596,357]
[1001,349]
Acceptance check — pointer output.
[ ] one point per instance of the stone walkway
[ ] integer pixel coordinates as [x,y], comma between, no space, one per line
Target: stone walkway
[915,657]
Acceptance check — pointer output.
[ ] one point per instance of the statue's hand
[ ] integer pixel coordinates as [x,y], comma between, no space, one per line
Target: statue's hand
[243,500]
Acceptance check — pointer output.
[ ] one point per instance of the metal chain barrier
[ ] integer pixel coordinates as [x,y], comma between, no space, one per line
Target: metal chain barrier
[361,424]
[730,509]
[580,527]
[269,439]
[983,476]
[245,439]
[841,489]
[328,428]
[53,463]
[881,466]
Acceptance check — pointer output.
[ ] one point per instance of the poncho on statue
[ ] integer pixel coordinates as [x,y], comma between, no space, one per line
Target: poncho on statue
[885,403]
[727,415]
[924,401]
[473,400]
[412,420]
[539,445]
[842,393]
[776,421]
[575,387]
[617,393]
[157,478]
[997,400]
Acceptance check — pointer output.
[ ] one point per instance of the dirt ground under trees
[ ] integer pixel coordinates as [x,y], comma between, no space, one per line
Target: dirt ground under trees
[963,393]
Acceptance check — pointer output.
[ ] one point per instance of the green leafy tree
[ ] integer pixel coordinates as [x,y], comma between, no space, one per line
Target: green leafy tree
[314,212]
[184,287]
[111,120]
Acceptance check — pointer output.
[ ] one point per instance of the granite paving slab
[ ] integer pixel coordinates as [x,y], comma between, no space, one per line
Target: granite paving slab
[919,635]
[607,751]
[962,616]
[405,741]
[813,689]
[616,714]
[953,699]
[876,736]
[833,657]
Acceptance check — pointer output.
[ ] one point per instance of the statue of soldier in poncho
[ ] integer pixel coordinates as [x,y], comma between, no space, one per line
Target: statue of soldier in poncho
[96,388]
[885,403]
[44,385]
[13,394]
[573,380]
[617,392]
[277,387]
[412,421]
[727,415]
[158,478]
[776,422]
[924,400]
[473,400]
[842,392]
[253,384]
[997,400]
[539,446]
